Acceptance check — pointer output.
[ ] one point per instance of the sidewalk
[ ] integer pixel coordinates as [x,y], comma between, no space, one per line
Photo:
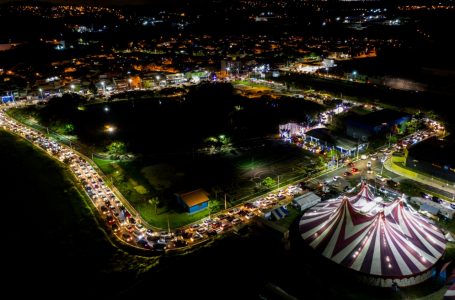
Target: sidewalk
[425,179]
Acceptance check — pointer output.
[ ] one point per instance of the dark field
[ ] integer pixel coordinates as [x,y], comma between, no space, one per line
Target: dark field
[53,243]
[169,138]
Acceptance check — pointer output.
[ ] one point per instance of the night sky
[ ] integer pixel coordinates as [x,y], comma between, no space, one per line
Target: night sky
[87,2]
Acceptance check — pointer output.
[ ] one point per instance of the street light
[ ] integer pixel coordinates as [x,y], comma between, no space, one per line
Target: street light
[104,86]
[130,81]
[354,74]
[109,128]
[41,92]
[72,87]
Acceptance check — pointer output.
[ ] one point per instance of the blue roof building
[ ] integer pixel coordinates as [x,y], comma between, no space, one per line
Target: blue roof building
[194,201]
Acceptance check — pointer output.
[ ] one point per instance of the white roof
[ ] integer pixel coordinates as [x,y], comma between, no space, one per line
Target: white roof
[307,198]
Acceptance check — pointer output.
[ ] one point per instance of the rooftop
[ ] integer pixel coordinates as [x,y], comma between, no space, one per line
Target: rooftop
[328,136]
[435,150]
[195,197]
[379,117]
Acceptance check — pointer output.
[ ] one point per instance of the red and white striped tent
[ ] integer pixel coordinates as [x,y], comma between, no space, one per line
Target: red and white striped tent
[450,294]
[363,197]
[393,245]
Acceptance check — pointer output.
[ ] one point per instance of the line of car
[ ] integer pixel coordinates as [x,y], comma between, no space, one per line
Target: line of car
[121,221]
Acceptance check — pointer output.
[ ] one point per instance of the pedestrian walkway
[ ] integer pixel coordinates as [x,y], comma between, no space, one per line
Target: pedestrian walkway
[425,179]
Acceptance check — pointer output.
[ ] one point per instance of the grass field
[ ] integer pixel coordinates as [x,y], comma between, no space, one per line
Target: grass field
[237,176]
[51,228]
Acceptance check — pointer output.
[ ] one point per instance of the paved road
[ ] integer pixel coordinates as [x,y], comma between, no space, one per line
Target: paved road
[121,218]
[126,223]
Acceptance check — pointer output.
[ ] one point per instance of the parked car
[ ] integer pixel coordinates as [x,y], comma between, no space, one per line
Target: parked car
[436,199]
[380,178]
[127,237]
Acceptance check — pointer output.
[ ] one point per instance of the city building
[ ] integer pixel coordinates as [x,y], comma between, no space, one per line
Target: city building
[194,201]
[433,157]
[389,245]
[362,127]
[328,140]
[306,201]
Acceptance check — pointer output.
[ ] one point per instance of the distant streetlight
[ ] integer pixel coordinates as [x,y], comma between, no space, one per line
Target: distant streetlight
[354,74]
[130,81]
[104,86]
[106,108]
[72,87]
[109,128]
[41,92]
[157,77]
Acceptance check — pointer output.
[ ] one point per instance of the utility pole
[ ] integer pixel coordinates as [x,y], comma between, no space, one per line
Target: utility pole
[358,144]
[225,201]
[278,176]
[208,206]
[168,226]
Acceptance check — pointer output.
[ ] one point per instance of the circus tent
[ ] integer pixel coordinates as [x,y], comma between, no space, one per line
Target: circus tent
[392,245]
[450,294]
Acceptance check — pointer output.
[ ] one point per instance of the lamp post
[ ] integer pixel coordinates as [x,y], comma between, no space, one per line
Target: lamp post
[104,87]
[41,92]
[129,82]
[354,74]
[72,88]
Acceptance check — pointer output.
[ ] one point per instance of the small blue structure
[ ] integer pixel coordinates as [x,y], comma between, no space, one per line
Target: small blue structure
[194,201]
[7,98]
[277,214]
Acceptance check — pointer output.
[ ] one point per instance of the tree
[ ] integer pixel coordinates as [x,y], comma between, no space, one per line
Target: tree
[92,88]
[68,128]
[116,149]
[155,201]
[269,182]
[320,162]
[392,139]
[431,115]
